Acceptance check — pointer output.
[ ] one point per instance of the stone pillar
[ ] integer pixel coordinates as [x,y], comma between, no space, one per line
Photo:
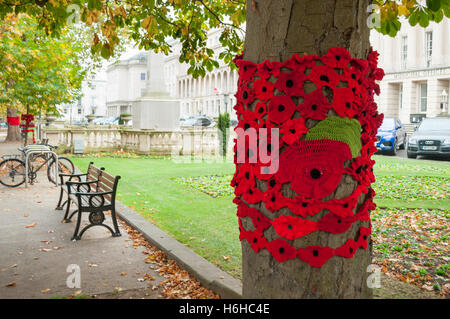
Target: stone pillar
[156,109]
[407,101]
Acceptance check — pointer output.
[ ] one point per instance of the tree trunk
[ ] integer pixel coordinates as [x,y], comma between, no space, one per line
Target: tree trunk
[13,134]
[276,29]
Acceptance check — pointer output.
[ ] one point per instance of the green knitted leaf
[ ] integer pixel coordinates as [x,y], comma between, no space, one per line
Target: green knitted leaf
[338,129]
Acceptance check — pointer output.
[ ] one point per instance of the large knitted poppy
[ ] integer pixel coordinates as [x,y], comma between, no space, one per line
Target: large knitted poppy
[313,168]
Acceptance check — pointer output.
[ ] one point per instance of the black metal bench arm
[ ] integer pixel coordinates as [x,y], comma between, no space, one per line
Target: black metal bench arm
[90,199]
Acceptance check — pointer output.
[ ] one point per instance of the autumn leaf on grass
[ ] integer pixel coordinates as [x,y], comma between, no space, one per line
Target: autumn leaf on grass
[31,225]
[226,258]
[45,290]
[11,284]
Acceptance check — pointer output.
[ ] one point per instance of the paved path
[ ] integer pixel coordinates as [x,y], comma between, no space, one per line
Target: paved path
[34,260]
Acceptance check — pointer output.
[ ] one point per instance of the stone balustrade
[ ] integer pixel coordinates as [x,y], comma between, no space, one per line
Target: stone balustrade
[185,141]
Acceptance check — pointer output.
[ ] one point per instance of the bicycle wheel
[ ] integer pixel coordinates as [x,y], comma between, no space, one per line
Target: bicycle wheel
[12,172]
[65,166]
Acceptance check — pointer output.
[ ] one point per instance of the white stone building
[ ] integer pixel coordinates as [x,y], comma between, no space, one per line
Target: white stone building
[93,101]
[202,96]
[126,81]
[417,67]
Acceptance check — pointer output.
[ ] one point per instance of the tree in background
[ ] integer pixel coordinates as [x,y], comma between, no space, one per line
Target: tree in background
[275,31]
[224,125]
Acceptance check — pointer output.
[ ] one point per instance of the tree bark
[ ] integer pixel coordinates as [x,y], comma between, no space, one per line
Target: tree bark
[13,134]
[276,29]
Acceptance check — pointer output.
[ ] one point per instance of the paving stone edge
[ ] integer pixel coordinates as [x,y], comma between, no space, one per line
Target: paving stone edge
[209,275]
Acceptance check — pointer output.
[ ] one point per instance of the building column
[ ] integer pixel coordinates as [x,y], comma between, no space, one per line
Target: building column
[407,107]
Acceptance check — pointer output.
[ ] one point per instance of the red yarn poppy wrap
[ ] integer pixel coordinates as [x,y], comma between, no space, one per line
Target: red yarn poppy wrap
[272,95]
[13,120]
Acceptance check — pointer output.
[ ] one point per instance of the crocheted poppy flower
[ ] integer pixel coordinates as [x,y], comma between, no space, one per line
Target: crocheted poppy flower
[315,256]
[334,224]
[291,83]
[281,250]
[293,227]
[293,130]
[273,200]
[264,171]
[245,95]
[253,195]
[299,64]
[272,185]
[260,222]
[347,250]
[246,70]
[343,102]
[281,108]
[239,108]
[337,58]
[314,168]
[315,106]
[323,76]
[245,175]
[260,110]
[363,239]
[263,89]
[305,207]
[257,241]
[265,70]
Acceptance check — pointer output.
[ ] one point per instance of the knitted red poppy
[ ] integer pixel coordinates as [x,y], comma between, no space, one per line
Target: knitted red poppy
[316,106]
[263,89]
[291,83]
[281,108]
[310,169]
[271,95]
[293,130]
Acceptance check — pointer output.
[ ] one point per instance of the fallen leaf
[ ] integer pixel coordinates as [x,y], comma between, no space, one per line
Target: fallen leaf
[123,273]
[11,284]
[45,290]
[31,225]
[26,215]
[14,266]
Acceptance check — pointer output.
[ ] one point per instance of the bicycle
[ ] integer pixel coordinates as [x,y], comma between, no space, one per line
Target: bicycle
[12,168]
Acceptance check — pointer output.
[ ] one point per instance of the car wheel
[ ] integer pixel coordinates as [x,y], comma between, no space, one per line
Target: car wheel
[393,152]
[403,146]
[411,155]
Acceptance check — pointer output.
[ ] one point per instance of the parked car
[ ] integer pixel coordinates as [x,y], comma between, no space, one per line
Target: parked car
[432,137]
[199,121]
[391,136]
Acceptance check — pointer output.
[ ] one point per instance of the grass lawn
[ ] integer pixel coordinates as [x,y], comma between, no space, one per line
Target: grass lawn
[193,203]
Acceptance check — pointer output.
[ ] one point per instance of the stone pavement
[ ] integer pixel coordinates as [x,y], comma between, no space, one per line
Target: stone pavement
[36,249]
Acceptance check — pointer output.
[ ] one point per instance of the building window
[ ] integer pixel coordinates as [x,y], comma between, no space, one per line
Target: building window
[404,53]
[400,96]
[428,47]
[143,76]
[79,111]
[423,97]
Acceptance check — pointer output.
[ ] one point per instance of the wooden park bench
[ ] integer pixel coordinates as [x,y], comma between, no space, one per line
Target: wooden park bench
[91,175]
[96,195]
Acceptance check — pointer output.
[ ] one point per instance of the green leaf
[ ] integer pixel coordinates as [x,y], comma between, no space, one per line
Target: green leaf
[105,52]
[434,5]
[424,20]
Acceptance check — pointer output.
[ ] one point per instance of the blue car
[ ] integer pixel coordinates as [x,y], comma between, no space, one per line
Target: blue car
[391,136]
